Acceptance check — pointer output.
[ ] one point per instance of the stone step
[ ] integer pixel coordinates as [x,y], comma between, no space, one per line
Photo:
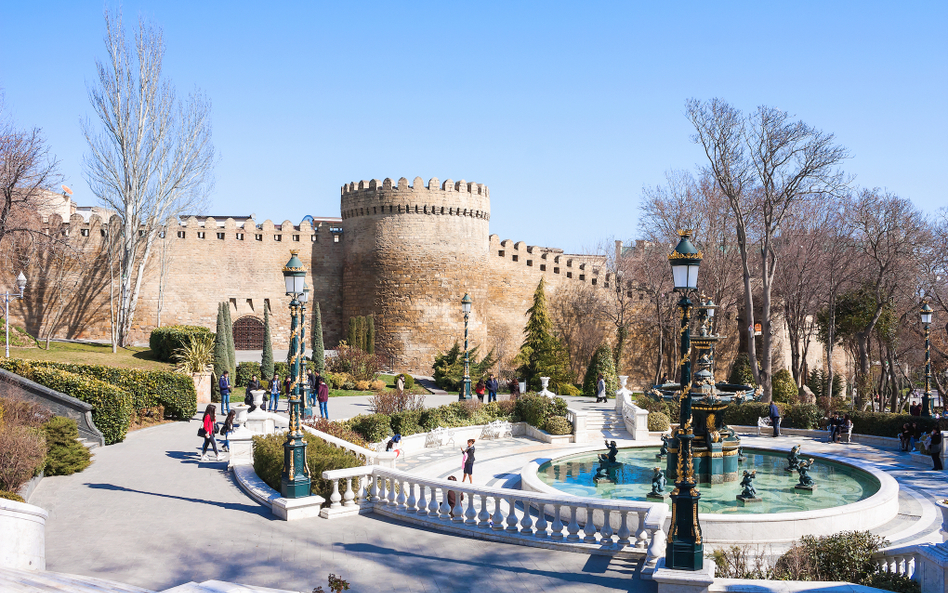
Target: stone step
[17,581]
[221,587]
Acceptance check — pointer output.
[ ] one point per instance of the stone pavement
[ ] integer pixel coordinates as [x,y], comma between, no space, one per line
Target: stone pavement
[147,513]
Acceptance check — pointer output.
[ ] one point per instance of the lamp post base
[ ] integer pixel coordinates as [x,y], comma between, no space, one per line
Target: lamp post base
[294,483]
[684,556]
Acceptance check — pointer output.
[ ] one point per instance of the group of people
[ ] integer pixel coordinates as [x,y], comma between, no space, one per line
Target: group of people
[490,387]
[838,426]
[209,431]
[933,442]
[318,392]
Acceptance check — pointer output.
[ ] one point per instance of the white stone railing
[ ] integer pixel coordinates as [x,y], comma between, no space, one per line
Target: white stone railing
[371,457]
[501,514]
[634,417]
[578,419]
[924,563]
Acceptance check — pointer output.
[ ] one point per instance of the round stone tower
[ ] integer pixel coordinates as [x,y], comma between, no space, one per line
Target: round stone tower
[411,253]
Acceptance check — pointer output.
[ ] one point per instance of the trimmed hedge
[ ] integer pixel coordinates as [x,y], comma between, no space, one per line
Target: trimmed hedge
[374,428]
[112,406]
[174,391]
[557,425]
[163,341]
[658,421]
[7,495]
[65,455]
[320,457]
[536,409]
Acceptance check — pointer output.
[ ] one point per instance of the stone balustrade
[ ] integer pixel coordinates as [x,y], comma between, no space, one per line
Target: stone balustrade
[500,514]
[924,563]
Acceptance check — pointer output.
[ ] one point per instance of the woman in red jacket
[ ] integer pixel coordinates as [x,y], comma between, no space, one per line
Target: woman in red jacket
[209,420]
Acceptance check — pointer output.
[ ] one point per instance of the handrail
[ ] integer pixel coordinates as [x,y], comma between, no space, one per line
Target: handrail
[371,457]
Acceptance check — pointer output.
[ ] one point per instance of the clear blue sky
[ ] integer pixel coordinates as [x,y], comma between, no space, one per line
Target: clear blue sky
[565,110]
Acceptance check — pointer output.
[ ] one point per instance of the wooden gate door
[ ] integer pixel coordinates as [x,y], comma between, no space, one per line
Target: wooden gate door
[248,333]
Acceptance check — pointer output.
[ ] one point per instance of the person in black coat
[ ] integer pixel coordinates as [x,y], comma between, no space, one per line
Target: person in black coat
[935,447]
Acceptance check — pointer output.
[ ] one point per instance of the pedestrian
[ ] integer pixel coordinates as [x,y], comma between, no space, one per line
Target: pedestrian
[904,435]
[775,418]
[252,385]
[835,422]
[274,388]
[323,398]
[935,446]
[400,383]
[491,388]
[227,428]
[601,389]
[916,436]
[207,431]
[514,387]
[452,497]
[288,387]
[224,385]
[467,461]
[312,384]
[479,390]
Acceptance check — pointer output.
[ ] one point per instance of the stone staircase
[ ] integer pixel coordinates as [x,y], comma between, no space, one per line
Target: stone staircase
[603,423]
[29,581]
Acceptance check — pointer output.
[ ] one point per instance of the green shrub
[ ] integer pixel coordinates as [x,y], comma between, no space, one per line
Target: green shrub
[746,414]
[601,363]
[783,387]
[844,556]
[406,422]
[374,428]
[7,495]
[658,422]
[112,405]
[65,455]
[449,367]
[558,425]
[320,457]
[890,581]
[246,370]
[336,429]
[163,341]
[570,389]
[535,409]
[805,416]
[500,410]
[741,373]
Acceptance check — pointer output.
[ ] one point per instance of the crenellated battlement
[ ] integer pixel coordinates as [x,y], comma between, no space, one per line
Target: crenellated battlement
[548,260]
[388,197]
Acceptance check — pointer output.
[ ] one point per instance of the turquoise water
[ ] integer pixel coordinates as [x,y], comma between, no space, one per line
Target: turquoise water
[837,484]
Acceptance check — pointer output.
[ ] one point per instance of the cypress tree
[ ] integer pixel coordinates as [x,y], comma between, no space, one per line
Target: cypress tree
[601,363]
[231,350]
[319,350]
[351,336]
[221,358]
[542,354]
[266,361]
[370,334]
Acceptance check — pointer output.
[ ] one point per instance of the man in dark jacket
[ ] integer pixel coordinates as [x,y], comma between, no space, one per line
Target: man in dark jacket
[491,388]
[224,385]
[775,418]
[252,385]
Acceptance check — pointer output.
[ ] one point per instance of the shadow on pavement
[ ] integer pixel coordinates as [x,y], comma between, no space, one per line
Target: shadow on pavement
[231,506]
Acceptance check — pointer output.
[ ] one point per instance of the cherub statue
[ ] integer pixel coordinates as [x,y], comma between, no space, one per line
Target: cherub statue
[609,457]
[804,468]
[658,482]
[793,459]
[664,450]
[747,483]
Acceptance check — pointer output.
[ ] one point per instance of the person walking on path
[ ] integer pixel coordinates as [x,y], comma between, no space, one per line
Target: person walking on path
[514,388]
[467,461]
[253,385]
[935,447]
[208,427]
[491,388]
[479,390]
[288,387]
[224,385]
[227,428]
[399,383]
[274,388]
[775,418]
[312,382]
[601,390]
[323,398]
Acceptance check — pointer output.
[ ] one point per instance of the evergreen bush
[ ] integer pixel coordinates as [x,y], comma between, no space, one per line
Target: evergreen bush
[319,350]
[320,457]
[163,341]
[535,409]
[741,373]
[658,422]
[805,416]
[558,425]
[601,363]
[229,335]
[449,367]
[266,359]
[246,370]
[406,422]
[65,455]
[374,428]
[7,495]
[783,387]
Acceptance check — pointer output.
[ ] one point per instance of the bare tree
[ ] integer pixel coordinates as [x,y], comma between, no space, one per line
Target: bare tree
[150,159]
[764,163]
[574,311]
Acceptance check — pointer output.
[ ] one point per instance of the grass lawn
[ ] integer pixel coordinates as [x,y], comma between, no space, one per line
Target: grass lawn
[389,386]
[131,358]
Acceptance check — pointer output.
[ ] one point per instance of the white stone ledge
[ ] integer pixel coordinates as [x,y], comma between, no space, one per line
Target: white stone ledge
[288,509]
[22,535]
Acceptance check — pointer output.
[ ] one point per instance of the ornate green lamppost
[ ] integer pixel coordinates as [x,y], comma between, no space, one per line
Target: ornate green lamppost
[684,550]
[927,396]
[466,309]
[295,480]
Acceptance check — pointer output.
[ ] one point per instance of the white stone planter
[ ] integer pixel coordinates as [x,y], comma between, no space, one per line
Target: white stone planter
[23,543]
[944,519]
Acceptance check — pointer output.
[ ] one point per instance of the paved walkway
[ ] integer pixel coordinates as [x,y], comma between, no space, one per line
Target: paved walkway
[147,513]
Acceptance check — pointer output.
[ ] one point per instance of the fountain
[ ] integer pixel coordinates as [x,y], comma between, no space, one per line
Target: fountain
[658,485]
[748,492]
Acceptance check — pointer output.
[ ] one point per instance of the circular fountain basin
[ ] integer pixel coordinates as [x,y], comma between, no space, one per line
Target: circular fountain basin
[849,494]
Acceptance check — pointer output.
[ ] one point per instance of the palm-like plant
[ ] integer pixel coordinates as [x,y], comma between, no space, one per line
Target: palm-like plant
[197,356]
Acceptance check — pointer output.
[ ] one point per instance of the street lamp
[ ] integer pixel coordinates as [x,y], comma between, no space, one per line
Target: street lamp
[7,296]
[304,298]
[295,479]
[466,308]
[684,550]
[926,314]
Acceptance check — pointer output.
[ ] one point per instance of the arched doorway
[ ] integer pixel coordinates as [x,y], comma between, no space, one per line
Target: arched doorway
[248,333]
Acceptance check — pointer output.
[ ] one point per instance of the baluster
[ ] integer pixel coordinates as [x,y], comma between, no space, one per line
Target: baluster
[433,507]
[445,507]
[910,567]
[360,483]
[642,535]
[900,564]
[893,565]
[383,490]
[334,498]
[392,487]
[348,497]
[498,519]
[557,526]
[590,527]
[412,501]
[374,489]
[624,531]
[422,501]
[656,549]
[470,515]
[483,518]
[458,509]
[512,515]
[606,530]
[573,527]
[541,521]
[526,521]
